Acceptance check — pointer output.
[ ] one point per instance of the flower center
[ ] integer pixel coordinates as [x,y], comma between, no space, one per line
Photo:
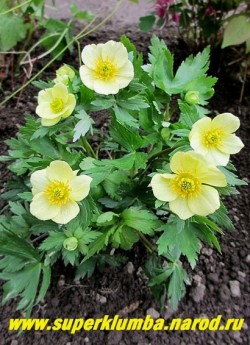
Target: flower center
[105,69]
[57,105]
[57,192]
[185,185]
[212,138]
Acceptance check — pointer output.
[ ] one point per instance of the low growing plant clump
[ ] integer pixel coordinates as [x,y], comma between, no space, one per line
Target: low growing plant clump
[158,174]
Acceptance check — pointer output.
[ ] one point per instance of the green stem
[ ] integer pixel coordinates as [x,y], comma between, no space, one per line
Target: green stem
[146,243]
[88,147]
[80,35]
[166,115]
[15,8]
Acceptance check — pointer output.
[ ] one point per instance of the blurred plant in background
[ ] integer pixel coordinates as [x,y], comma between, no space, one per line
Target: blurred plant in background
[19,23]
[203,22]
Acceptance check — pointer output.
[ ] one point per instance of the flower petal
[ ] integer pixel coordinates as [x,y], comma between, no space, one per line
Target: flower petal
[90,54]
[188,162]
[50,122]
[70,106]
[67,212]
[227,122]
[231,144]
[161,185]
[115,52]
[80,186]
[217,157]
[106,87]
[39,180]
[60,90]
[125,74]
[202,125]
[213,176]
[60,171]
[87,77]
[42,209]
[206,202]
[180,207]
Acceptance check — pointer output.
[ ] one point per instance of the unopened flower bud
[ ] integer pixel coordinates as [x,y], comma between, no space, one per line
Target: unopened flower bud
[165,133]
[192,97]
[70,243]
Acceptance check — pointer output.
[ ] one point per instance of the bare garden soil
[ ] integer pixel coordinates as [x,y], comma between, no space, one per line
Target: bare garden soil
[124,290]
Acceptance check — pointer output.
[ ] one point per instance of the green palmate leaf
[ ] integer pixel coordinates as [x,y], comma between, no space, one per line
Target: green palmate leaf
[135,159]
[11,244]
[10,263]
[12,30]
[161,278]
[112,183]
[161,68]
[232,179]
[84,218]
[191,69]
[124,136]
[70,257]
[86,268]
[23,283]
[123,117]
[146,23]
[133,103]
[141,220]
[46,278]
[103,103]
[107,218]
[83,126]
[100,243]
[206,221]
[54,241]
[204,85]
[221,218]
[125,237]
[176,287]
[207,236]
[237,31]
[186,239]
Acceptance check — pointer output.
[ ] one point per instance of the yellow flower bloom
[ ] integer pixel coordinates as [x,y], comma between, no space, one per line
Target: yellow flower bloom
[55,192]
[189,190]
[55,103]
[215,138]
[106,68]
[64,74]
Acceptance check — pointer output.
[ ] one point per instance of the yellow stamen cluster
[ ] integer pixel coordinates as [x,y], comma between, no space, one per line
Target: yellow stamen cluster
[185,184]
[57,193]
[105,69]
[57,105]
[212,138]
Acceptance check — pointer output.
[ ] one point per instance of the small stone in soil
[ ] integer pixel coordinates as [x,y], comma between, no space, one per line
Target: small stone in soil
[248,259]
[235,288]
[153,313]
[101,299]
[224,293]
[198,293]
[213,277]
[130,267]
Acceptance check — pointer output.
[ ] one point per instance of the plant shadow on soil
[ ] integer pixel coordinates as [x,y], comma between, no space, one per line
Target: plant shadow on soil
[124,290]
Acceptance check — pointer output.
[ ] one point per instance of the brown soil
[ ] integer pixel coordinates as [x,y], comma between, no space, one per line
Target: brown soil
[126,292]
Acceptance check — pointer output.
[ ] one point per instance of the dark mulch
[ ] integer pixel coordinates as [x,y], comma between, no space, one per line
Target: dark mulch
[125,289]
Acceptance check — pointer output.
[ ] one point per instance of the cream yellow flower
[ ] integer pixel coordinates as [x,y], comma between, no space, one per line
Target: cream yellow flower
[54,104]
[189,190]
[215,138]
[56,190]
[106,68]
[64,74]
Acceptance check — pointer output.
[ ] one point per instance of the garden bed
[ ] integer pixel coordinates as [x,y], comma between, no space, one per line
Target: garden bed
[123,291]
